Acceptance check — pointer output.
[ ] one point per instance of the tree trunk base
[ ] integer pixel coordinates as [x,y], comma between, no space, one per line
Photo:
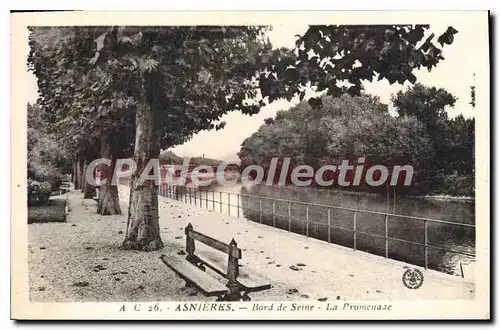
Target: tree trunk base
[153,245]
[89,191]
[109,210]
[109,203]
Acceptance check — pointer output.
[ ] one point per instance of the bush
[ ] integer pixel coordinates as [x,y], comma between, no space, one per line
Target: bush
[55,182]
[53,177]
[459,185]
[38,192]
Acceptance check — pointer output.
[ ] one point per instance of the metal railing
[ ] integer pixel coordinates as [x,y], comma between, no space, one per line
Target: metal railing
[222,202]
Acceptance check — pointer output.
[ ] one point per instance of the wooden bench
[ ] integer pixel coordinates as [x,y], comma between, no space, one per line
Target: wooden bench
[193,269]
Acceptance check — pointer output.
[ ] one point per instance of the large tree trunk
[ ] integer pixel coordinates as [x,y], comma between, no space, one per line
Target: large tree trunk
[78,180]
[84,177]
[143,230]
[74,175]
[88,189]
[109,202]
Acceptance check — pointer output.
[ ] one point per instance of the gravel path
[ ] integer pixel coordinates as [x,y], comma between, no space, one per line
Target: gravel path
[81,260]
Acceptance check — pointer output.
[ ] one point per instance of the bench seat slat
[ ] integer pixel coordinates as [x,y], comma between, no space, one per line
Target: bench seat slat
[253,283]
[250,282]
[203,281]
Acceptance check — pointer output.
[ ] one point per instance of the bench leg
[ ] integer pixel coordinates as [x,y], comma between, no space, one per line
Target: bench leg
[234,293]
[245,296]
[237,296]
[189,284]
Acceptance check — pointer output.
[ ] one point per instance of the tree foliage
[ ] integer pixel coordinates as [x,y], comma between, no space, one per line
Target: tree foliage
[349,128]
[338,58]
[191,75]
[88,77]
[344,128]
[183,80]
[47,159]
[452,139]
[80,103]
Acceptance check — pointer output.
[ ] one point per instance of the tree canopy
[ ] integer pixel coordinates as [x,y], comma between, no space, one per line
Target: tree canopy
[88,77]
[338,58]
[349,128]
[452,139]
[345,127]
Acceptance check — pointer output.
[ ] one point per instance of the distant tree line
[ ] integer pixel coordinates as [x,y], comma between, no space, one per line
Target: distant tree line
[168,157]
[349,127]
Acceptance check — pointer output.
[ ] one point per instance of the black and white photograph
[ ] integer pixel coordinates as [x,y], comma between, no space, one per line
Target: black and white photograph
[328,165]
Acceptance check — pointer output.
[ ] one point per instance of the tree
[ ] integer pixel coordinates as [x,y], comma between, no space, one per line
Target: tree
[47,161]
[344,128]
[452,139]
[429,105]
[460,132]
[83,109]
[183,80]
[127,79]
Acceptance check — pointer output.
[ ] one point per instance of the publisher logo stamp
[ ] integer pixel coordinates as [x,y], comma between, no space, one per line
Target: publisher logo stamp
[413,278]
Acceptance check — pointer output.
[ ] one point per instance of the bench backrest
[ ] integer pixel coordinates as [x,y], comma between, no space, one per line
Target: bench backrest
[231,249]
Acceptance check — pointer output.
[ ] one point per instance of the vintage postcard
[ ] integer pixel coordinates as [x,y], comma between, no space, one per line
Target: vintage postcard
[250,165]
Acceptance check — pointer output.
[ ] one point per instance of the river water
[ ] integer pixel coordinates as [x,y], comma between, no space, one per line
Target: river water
[371,228]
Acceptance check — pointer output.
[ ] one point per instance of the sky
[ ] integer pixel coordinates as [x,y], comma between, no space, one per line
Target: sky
[455,74]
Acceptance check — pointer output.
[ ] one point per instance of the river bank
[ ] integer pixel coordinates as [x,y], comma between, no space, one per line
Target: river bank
[81,260]
[441,197]
[446,198]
